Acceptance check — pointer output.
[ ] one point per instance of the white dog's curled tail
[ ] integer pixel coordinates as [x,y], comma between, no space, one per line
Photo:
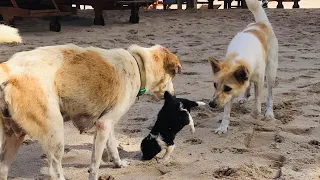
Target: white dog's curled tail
[256,8]
[9,34]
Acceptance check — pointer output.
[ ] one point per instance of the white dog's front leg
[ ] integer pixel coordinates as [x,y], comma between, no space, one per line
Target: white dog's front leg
[168,153]
[225,120]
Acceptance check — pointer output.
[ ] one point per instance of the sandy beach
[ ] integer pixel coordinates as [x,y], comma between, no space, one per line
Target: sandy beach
[287,148]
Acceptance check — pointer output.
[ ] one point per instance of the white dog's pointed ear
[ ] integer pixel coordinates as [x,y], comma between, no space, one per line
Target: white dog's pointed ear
[215,64]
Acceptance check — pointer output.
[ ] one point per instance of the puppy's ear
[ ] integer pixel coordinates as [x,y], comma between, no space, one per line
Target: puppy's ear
[241,74]
[167,96]
[215,64]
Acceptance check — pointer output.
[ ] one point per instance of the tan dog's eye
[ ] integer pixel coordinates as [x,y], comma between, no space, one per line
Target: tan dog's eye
[227,88]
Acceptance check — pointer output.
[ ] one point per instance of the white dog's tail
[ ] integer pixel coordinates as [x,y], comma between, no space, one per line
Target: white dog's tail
[9,34]
[256,8]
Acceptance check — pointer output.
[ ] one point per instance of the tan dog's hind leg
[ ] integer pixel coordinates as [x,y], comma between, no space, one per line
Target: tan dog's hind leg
[53,145]
[9,148]
[101,136]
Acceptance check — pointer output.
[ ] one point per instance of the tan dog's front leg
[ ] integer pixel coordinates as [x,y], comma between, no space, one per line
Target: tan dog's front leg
[113,151]
[225,120]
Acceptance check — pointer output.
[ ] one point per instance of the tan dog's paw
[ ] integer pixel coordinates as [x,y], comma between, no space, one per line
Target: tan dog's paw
[255,114]
[122,164]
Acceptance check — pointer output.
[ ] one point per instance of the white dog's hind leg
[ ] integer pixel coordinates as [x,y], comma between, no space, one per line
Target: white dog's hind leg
[271,73]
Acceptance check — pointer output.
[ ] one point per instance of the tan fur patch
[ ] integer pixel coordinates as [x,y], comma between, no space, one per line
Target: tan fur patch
[231,56]
[260,36]
[4,68]
[87,86]
[262,26]
[28,104]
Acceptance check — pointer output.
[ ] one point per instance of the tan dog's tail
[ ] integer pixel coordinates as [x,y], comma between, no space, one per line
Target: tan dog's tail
[256,8]
[9,34]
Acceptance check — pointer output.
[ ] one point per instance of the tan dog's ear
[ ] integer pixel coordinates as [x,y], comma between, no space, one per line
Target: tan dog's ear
[172,61]
[215,64]
[241,74]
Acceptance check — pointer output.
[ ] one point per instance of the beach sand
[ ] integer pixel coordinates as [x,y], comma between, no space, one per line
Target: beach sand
[287,148]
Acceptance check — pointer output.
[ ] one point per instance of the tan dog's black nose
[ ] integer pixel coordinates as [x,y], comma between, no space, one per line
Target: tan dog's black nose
[213,104]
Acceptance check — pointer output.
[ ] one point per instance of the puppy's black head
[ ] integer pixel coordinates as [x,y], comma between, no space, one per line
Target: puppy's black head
[149,147]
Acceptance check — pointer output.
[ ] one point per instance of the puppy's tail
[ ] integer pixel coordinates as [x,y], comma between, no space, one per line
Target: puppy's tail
[256,8]
[9,34]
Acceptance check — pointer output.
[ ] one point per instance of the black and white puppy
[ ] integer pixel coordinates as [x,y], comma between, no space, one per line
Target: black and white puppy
[174,115]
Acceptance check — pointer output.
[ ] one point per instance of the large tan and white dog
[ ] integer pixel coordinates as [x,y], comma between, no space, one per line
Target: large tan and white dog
[93,87]
[252,54]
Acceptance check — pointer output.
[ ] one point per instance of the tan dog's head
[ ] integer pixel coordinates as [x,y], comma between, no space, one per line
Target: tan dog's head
[165,66]
[161,66]
[230,80]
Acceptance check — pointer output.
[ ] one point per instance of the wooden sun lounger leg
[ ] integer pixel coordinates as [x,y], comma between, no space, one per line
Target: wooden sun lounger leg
[98,11]
[134,18]
[8,19]
[210,4]
[280,4]
[295,4]
[244,4]
[55,24]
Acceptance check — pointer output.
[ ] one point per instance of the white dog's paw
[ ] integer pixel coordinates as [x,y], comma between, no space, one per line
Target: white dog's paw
[223,129]
[269,115]
[122,163]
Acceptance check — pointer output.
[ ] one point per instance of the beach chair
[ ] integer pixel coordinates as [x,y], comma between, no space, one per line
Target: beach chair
[242,3]
[9,9]
[100,5]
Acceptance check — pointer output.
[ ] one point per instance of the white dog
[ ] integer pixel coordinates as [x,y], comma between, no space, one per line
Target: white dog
[252,54]
[93,87]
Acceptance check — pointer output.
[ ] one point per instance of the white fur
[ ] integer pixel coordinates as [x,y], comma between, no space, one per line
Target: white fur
[9,34]
[249,48]
[201,103]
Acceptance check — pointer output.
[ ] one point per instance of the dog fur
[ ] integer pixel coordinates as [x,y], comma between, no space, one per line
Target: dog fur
[93,87]
[174,115]
[252,54]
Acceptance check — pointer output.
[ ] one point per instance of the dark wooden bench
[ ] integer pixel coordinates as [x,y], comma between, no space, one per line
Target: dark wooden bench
[100,5]
[191,3]
[242,3]
[9,9]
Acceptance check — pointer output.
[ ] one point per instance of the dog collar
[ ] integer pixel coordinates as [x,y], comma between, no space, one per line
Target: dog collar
[142,72]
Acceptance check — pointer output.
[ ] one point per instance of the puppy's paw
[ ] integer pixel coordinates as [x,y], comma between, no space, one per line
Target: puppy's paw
[122,164]
[223,129]
[192,129]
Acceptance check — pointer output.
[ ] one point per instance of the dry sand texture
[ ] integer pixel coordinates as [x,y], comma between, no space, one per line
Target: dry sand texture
[252,149]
